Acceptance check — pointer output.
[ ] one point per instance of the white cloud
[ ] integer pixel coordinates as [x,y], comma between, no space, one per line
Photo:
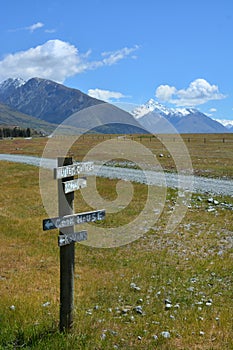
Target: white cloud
[35,26]
[198,92]
[105,95]
[165,92]
[55,60]
[31,28]
[213,110]
[113,57]
[50,31]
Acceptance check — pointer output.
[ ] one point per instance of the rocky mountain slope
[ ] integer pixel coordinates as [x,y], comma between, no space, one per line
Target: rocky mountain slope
[12,118]
[54,103]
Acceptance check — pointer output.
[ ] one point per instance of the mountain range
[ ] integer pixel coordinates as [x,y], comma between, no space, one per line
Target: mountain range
[160,119]
[44,104]
[55,103]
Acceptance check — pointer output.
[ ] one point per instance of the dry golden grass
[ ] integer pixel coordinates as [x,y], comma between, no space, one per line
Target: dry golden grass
[211,154]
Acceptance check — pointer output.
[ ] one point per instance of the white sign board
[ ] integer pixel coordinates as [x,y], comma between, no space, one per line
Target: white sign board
[73,185]
[73,169]
[73,237]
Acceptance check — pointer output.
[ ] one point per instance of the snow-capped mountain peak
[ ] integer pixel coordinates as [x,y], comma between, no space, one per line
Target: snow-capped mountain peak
[12,83]
[158,118]
[150,106]
[153,106]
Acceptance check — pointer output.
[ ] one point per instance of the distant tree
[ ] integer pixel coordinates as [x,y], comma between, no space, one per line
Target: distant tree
[28,132]
[15,131]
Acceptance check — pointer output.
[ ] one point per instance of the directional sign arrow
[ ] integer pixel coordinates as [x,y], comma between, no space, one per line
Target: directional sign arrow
[48,225]
[73,219]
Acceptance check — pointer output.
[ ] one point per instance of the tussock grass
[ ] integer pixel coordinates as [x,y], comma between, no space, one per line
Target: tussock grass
[190,267]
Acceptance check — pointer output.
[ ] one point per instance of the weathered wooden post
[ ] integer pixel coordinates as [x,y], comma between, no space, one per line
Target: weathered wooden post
[65,222]
[67,253]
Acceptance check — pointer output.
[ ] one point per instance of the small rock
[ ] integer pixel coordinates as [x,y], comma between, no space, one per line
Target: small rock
[155,337]
[209,302]
[166,334]
[138,309]
[124,311]
[103,336]
[139,337]
[201,333]
[168,306]
[210,209]
[134,286]
[46,304]
[12,307]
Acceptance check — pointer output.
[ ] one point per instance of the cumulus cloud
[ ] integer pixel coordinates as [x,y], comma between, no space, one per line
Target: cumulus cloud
[165,92]
[198,92]
[55,60]
[105,95]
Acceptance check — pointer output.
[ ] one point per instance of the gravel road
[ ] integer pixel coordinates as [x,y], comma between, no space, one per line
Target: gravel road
[196,184]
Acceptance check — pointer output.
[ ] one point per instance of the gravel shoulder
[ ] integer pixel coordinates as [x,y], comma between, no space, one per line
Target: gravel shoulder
[190,183]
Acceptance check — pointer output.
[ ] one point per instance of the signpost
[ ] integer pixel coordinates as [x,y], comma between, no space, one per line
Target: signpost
[65,222]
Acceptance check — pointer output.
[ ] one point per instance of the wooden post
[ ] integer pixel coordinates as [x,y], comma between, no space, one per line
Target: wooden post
[67,254]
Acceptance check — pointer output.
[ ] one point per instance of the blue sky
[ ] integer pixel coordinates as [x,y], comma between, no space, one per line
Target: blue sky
[178,52]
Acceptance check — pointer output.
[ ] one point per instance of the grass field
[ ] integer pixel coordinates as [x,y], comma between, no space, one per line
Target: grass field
[211,154]
[163,291]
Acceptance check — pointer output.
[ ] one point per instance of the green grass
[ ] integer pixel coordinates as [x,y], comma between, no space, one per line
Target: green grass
[192,267]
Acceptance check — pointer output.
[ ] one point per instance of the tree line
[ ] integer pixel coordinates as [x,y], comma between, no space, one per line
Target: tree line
[6,132]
